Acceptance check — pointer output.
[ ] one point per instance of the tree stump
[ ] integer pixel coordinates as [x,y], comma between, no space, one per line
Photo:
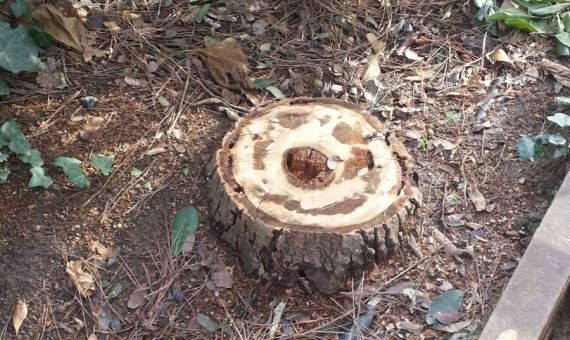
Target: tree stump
[311,188]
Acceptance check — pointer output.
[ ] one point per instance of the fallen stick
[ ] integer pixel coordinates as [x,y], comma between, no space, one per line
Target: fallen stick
[278,312]
[449,247]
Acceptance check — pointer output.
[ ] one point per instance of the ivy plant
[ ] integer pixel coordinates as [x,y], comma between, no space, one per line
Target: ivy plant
[74,171]
[21,45]
[548,145]
[103,163]
[549,18]
[12,138]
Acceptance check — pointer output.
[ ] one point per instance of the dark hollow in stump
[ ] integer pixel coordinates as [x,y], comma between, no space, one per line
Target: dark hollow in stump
[311,188]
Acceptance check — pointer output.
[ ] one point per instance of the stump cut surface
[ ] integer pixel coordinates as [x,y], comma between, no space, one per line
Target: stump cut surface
[311,189]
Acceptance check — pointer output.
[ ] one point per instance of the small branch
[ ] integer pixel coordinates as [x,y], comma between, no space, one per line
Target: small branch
[219,101]
[278,312]
[449,247]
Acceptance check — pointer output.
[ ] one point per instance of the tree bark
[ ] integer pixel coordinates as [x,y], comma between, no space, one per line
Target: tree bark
[311,188]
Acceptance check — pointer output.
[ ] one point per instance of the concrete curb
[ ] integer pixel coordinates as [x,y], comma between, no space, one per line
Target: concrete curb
[530,301]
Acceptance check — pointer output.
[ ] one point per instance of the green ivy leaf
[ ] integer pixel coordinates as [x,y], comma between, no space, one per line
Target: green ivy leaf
[34,158]
[17,141]
[556,139]
[560,119]
[564,38]
[72,168]
[549,10]
[275,92]
[449,301]
[509,13]
[446,11]
[566,21]
[533,26]
[563,101]
[103,163]
[18,52]
[39,178]
[3,157]
[452,116]
[210,41]
[20,8]
[4,172]
[561,49]
[4,141]
[560,151]
[136,172]
[184,224]
[481,3]
[262,84]
[163,101]
[37,32]
[4,89]
[527,148]
[116,289]
[199,16]
[483,11]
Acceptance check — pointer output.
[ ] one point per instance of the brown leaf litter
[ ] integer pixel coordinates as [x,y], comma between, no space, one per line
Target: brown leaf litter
[65,29]
[227,57]
[19,315]
[83,281]
[300,82]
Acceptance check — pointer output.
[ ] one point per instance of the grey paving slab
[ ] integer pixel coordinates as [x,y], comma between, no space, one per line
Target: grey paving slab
[529,303]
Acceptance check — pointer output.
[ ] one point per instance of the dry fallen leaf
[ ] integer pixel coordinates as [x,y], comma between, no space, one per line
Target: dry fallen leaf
[137,298]
[188,244]
[96,246]
[227,57]
[372,69]
[561,73]
[446,145]
[376,44]
[230,96]
[299,82]
[88,128]
[253,97]
[477,198]
[19,314]
[67,30]
[221,276]
[83,281]
[132,81]
[499,55]
[128,15]
[412,55]
[279,26]
[106,253]
[51,78]
[112,26]
[410,326]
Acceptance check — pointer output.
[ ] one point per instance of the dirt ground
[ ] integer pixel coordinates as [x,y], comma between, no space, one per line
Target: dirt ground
[42,229]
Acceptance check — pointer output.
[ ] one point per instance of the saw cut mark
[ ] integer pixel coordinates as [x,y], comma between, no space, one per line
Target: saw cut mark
[308,167]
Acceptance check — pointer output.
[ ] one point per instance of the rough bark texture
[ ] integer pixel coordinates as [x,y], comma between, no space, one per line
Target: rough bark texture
[270,215]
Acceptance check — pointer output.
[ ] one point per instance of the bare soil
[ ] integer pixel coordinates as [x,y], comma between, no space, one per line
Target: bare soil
[42,229]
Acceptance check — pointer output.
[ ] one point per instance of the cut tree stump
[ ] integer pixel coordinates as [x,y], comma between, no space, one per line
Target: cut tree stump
[313,189]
